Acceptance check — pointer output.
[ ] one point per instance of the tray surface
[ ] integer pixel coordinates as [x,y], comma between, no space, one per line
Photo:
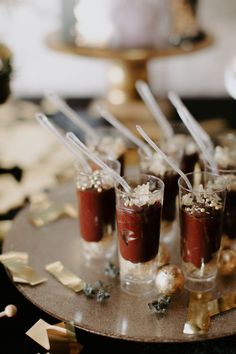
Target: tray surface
[122,316]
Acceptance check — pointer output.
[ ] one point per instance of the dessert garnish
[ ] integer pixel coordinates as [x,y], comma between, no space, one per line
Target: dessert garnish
[97,180]
[203,200]
[140,196]
[113,146]
[225,157]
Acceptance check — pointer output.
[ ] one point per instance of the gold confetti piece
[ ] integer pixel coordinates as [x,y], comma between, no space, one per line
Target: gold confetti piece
[63,335]
[202,308]
[65,276]
[23,273]
[17,264]
[38,332]
[56,338]
[222,304]
[22,257]
[198,319]
[47,213]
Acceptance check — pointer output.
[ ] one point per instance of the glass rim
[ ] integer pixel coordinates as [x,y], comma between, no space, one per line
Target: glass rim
[160,182]
[78,169]
[223,170]
[217,189]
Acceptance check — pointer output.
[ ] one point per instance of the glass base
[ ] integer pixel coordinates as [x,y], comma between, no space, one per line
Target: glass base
[96,255]
[137,289]
[96,265]
[137,278]
[200,285]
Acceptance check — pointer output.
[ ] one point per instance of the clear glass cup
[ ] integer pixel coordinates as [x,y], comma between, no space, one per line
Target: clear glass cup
[95,194]
[201,215]
[190,156]
[110,143]
[185,142]
[138,216]
[158,167]
[225,158]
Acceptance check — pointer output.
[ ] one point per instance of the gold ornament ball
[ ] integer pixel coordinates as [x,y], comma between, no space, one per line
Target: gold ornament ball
[163,256]
[227,243]
[227,262]
[169,279]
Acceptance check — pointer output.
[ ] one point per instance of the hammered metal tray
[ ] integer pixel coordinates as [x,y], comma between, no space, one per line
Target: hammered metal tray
[122,316]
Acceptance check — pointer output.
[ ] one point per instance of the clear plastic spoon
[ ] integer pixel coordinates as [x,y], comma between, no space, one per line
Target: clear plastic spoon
[182,110]
[63,107]
[119,126]
[44,121]
[147,96]
[78,143]
[195,132]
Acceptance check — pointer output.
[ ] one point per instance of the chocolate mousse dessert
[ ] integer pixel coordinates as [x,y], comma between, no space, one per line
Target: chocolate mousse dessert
[138,225]
[156,166]
[225,158]
[230,210]
[138,230]
[201,224]
[96,213]
[111,146]
[190,151]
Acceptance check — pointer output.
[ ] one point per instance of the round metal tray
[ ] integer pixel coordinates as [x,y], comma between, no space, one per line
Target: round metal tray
[122,316]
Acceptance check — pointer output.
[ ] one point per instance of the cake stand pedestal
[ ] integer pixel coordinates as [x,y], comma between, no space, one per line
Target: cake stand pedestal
[128,65]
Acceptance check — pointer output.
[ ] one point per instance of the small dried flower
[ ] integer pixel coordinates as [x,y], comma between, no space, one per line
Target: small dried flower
[96,290]
[102,295]
[112,270]
[90,290]
[161,304]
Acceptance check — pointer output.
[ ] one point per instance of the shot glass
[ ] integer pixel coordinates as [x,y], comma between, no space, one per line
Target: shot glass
[138,216]
[158,167]
[225,158]
[201,215]
[110,144]
[190,155]
[229,228]
[96,212]
[183,140]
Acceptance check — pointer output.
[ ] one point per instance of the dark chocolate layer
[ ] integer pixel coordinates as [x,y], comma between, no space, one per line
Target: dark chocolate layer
[200,235]
[139,232]
[188,162]
[96,211]
[230,215]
